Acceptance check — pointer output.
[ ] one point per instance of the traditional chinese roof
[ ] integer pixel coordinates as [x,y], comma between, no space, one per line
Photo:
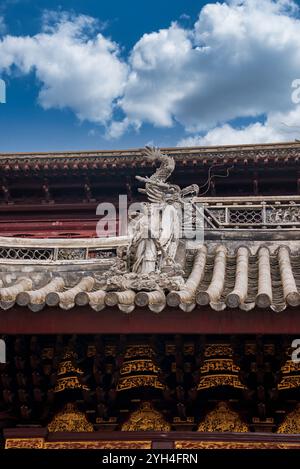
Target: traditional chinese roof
[219,275]
[110,159]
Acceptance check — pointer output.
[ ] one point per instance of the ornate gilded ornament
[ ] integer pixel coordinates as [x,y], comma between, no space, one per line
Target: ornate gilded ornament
[98,444]
[218,368]
[213,350]
[24,443]
[136,366]
[222,419]
[70,382]
[70,420]
[134,351]
[138,382]
[139,369]
[188,445]
[147,419]
[40,443]
[68,374]
[290,376]
[291,423]
[211,381]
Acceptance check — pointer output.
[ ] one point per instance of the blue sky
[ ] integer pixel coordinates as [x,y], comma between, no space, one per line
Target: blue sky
[91,74]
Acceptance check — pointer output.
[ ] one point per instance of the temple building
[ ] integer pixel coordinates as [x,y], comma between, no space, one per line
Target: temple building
[171,325]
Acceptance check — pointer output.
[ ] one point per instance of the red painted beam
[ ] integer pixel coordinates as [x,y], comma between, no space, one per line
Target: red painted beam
[84,320]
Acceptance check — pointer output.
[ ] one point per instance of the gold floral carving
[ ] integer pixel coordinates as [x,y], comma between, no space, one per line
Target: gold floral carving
[186,444]
[146,418]
[138,351]
[24,443]
[136,366]
[70,420]
[40,443]
[291,423]
[118,444]
[222,419]
[213,350]
[219,364]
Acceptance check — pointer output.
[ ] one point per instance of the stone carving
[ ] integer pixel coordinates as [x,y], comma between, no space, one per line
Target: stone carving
[147,282]
[290,214]
[149,263]
[156,231]
[71,254]
[260,214]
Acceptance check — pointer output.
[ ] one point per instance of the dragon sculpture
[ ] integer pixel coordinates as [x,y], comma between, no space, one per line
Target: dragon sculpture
[157,188]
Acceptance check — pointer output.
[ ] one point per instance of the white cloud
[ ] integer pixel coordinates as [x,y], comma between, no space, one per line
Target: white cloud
[238,60]
[159,78]
[117,128]
[278,127]
[77,69]
[226,134]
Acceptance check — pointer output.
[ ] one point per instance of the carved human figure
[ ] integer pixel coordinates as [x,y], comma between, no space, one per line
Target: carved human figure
[156,231]
[155,236]
[142,244]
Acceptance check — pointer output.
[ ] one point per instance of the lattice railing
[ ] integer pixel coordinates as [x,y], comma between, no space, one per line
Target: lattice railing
[26,254]
[251,212]
[53,254]
[61,250]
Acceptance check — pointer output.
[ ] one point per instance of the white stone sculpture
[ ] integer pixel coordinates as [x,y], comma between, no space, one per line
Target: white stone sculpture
[156,231]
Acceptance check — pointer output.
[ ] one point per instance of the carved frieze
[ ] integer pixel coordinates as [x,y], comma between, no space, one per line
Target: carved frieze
[70,419]
[222,419]
[146,418]
[291,423]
